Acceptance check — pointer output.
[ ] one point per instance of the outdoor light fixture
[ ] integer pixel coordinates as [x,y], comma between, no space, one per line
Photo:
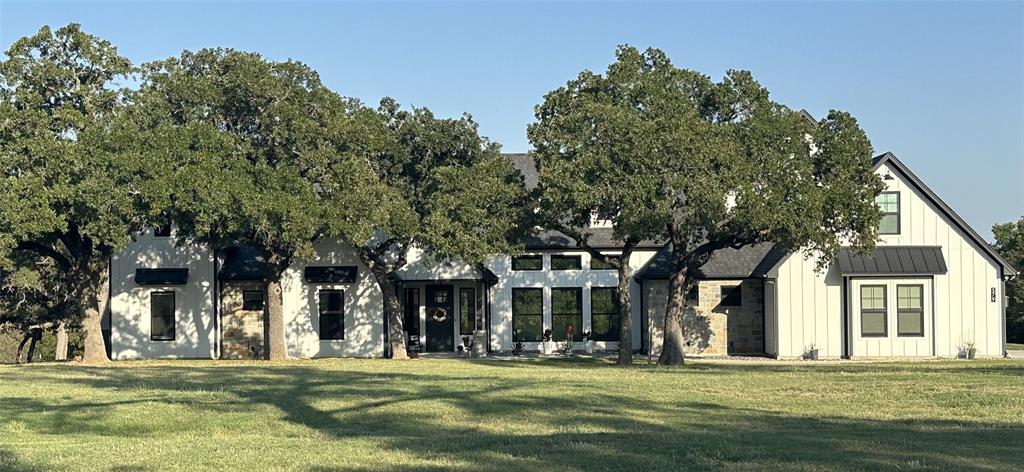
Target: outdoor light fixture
[888,176]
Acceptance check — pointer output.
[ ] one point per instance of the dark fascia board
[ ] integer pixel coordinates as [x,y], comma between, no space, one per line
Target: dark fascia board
[891,158]
[807,116]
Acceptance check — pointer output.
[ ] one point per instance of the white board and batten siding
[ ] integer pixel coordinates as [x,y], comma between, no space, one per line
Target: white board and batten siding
[546,279]
[195,327]
[805,306]
[363,308]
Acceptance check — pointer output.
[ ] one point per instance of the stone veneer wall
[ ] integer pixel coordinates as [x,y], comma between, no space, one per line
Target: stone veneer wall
[711,329]
[243,329]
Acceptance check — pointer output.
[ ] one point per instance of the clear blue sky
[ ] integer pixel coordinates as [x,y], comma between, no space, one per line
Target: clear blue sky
[939,84]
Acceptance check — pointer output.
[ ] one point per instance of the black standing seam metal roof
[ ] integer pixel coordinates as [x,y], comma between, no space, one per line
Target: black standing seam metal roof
[893,260]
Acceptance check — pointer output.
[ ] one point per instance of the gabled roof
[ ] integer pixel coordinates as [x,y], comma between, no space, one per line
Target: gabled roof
[749,261]
[890,158]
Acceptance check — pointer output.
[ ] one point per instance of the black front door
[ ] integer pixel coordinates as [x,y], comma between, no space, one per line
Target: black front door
[440,305]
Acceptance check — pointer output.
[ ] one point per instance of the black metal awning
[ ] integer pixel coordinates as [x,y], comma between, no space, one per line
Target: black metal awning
[893,260]
[161,276]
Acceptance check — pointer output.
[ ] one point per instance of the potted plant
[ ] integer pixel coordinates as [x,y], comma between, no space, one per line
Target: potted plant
[546,345]
[568,345]
[971,350]
[588,345]
[467,345]
[517,348]
[811,353]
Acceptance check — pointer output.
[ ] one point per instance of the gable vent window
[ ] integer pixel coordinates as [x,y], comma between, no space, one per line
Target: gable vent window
[889,203]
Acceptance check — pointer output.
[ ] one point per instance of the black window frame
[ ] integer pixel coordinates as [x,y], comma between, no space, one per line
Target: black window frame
[730,295]
[614,316]
[918,311]
[171,325]
[600,264]
[462,312]
[527,257]
[518,315]
[262,300]
[884,311]
[575,262]
[338,315]
[890,213]
[558,333]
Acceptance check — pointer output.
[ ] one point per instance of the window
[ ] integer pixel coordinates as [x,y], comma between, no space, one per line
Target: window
[889,203]
[332,314]
[161,312]
[731,296]
[872,311]
[566,263]
[693,295]
[467,311]
[604,314]
[252,300]
[527,314]
[566,310]
[533,262]
[910,310]
[411,321]
[597,264]
[162,231]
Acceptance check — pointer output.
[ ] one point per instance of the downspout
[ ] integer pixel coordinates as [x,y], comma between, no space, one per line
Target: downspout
[108,338]
[846,319]
[487,314]
[219,344]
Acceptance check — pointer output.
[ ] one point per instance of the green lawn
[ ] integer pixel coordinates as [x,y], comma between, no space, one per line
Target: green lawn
[512,416]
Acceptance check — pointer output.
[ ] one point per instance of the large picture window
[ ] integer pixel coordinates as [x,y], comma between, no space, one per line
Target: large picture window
[332,314]
[161,312]
[566,310]
[531,262]
[889,203]
[467,311]
[604,314]
[872,311]
[527,314]
[910,310]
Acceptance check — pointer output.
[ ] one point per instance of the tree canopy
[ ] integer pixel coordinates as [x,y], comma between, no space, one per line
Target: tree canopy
[66,198]
[1010,245]
[706,165]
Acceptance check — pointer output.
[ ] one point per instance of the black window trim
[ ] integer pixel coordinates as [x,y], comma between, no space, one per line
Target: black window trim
[530,257]
[174,316]
[515,315]
[919,311]
[577,327]
[262,296]
[897,213]
[567,257]
[884,311]
[617,314]
[320,313]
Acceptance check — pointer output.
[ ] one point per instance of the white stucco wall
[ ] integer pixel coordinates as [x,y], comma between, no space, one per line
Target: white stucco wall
[501,293]
[364,317]
[808,306]
[195,324]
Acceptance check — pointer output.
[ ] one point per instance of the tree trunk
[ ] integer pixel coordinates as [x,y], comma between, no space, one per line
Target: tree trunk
[672,344]
[625,312]
[93,302]
[37,335]
[393,312]
[61,351]
[274,347]
[21,346]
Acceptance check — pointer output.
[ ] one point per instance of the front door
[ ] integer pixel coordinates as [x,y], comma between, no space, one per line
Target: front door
[440,306]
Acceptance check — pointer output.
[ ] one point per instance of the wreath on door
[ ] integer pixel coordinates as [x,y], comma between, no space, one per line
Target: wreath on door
[439,314]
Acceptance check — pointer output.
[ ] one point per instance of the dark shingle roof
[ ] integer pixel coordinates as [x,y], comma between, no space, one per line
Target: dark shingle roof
[600,238]
[243,263]
[893,260]
[748,261]
[527,166]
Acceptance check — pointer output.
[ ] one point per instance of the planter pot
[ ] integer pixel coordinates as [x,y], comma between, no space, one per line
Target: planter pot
[971,353]
[813,355]
[588,347]
[547,347]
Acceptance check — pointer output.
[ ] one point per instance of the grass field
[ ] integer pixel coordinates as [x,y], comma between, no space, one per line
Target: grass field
[512,416]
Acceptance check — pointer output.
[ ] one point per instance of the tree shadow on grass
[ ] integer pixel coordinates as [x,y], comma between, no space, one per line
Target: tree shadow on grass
[498,421]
